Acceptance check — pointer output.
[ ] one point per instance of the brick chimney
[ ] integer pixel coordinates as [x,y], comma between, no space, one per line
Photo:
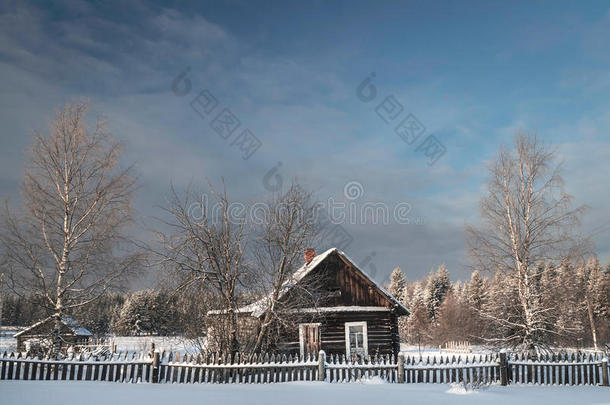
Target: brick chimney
[309,255]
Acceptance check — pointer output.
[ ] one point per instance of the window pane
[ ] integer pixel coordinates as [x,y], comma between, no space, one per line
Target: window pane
[356,336]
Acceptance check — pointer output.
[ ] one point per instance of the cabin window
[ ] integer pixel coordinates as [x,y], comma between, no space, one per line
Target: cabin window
[356,339]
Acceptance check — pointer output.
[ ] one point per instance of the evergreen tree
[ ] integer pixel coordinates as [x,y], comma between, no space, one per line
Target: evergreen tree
[148,312]
[477,290]
[460,290]
[455,320]
[418,323]
[398,282]
[436,289]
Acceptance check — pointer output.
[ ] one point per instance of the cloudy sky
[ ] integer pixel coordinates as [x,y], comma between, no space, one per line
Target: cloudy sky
[292,74]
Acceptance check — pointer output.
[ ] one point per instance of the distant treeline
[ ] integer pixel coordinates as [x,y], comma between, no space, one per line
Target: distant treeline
[573,298]
[146,312]
[573,303]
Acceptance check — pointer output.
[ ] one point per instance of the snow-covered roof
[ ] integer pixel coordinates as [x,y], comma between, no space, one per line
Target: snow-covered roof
[68,321]
[342,308]
[75,326]
[259,307]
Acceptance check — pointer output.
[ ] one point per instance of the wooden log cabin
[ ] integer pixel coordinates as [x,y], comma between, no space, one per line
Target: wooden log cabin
[353,315]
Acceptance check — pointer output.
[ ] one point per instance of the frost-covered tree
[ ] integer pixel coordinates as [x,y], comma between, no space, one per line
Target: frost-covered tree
[437,287]
[398,283]
[527,222]
[470,311]
[99,315]
[418,323]
[134,317]
[67,245]
[460,290]
[599,290]
[596,296]
[455,320]
[148,312]
[569,312]
[477,291]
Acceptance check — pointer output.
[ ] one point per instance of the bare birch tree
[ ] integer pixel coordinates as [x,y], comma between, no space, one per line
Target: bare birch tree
[66,246]
[527,222]
[287,229]
[207,245]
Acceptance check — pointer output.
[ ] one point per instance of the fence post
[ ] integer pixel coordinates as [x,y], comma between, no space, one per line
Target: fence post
[605,381]
[322,366]
[401,368]
[155,367]
[503,368]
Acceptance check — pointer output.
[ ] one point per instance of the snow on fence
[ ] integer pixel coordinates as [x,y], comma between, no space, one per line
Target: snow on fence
[110,367]
[342,369]
[155,367]
[484,369]
[559,369]
[240,368]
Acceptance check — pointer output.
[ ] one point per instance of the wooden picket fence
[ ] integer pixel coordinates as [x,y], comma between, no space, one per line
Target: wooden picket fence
[339,368]
[111,367]
[559,369]
[449,369]
[155,367]
[240,368]
[456,347]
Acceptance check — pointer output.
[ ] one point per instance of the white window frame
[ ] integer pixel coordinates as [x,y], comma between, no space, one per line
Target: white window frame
[302,338]
[365,337]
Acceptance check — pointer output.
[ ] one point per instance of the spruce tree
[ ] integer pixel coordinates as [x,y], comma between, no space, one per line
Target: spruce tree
[478,293]
[438,286]
[398,282]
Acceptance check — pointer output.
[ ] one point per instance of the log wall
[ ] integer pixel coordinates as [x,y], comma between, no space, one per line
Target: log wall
[382,332]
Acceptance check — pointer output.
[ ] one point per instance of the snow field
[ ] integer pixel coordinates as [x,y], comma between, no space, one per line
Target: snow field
[98,393]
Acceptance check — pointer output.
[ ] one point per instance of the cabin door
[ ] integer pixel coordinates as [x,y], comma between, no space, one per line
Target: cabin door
[309,338]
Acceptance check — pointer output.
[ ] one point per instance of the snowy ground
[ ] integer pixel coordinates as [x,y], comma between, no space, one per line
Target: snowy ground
[94,393]
[428,352]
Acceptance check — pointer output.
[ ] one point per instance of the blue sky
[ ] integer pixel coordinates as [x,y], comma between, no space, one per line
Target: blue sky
[472,73]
